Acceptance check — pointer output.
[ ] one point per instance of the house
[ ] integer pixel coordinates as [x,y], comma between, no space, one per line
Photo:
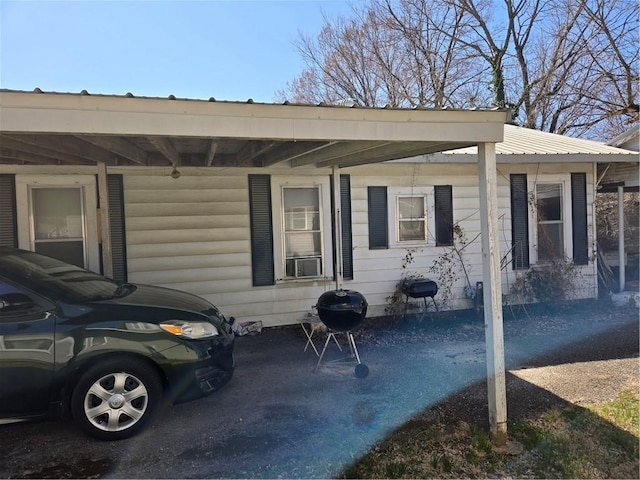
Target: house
[260,208]
[236,201]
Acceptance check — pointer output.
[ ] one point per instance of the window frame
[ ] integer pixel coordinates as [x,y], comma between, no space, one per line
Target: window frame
[278,186]
[394,194]
[567,226]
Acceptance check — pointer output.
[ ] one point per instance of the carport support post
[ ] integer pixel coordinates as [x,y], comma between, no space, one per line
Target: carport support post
[492,288]
[621,271]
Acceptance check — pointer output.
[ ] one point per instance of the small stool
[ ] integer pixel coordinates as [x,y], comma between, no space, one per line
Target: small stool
[310,325]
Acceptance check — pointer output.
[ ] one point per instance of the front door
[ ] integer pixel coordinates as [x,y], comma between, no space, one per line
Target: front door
[57,217]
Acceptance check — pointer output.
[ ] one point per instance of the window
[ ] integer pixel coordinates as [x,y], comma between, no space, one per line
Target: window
[550,220]
[559,219]
[302,231]
[292,228]
[412,225]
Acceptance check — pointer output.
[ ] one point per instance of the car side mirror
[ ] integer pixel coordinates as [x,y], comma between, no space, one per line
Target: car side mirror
[10,302]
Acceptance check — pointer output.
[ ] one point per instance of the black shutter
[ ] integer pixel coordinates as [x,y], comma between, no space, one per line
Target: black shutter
[519,221]
[347,240]
[8,216]
[579,218]
[444,214]
[115,192]
[378,218]
[261,230]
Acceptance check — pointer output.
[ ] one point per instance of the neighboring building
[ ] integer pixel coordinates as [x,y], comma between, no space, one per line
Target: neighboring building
[623,179]
[209,197]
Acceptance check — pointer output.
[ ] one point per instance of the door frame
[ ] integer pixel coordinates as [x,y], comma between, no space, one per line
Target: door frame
[24,185]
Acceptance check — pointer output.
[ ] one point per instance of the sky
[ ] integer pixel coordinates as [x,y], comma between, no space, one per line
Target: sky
[226,49]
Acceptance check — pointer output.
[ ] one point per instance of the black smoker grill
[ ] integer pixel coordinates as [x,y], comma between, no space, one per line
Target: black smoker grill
[341,311]
[420,288]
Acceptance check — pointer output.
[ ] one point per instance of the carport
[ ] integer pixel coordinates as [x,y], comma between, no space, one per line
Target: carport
[55,129]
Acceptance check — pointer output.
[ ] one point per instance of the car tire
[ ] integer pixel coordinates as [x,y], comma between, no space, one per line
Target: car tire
[116,398]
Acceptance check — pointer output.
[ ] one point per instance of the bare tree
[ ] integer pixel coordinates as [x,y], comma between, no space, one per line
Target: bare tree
[565,66]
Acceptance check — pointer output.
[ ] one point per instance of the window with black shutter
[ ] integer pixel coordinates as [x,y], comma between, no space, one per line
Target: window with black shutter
[262,261]
[579,218]
[8,217]
[444,214]
[378,218]
[519,221]
[115,192]
[347,240]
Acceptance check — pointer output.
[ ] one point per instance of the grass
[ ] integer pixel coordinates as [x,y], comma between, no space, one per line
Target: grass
[592,441]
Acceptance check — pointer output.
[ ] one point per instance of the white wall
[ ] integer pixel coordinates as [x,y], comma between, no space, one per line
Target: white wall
[192,233]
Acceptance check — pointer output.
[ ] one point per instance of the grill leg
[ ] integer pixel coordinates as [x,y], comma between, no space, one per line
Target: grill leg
[406,304]
[434,303]
[352,344]
[324,349]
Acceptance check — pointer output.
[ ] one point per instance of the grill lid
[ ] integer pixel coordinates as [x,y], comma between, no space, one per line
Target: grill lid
[342,310]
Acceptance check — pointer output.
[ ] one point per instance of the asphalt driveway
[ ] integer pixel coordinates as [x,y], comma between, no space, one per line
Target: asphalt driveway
[278,419]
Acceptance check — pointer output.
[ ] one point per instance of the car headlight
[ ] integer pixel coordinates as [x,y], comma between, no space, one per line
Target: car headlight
[191,330]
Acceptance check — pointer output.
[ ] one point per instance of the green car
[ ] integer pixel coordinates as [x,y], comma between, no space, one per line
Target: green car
[74,343]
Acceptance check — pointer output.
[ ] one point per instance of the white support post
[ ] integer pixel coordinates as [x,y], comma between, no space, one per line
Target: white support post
[337,216]
[494,337]
[105,226]
[621,256]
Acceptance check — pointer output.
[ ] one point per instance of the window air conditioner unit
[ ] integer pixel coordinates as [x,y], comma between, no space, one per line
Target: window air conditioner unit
[307,267]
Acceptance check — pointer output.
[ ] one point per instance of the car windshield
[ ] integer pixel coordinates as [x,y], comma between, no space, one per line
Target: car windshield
[57,280]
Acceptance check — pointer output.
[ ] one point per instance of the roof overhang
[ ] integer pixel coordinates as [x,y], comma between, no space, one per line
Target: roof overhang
[58,128]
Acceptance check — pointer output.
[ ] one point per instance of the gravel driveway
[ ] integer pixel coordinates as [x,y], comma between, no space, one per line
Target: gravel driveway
[278,419]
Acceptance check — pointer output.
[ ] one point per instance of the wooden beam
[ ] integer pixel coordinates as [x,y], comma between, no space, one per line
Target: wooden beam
[375,155]
[117,145]
[166,148]
[41,154]
[66,144]
[492,288]
[251,150]
[338,150]
[385,154]
[29,157]
[287,152]
[213,146]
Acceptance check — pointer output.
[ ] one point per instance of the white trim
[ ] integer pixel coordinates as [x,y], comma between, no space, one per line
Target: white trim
[278,184]
[113,115]
[24,183]
[393,193]
[567,231]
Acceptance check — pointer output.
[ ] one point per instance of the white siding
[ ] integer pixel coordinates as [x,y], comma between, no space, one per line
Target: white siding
[192,233]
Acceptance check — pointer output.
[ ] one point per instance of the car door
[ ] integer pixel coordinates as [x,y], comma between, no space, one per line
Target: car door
[27,350]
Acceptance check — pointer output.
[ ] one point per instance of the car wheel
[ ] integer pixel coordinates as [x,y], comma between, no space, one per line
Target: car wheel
[116,399]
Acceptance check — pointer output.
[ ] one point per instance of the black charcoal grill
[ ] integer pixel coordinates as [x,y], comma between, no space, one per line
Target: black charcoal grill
[420,288]
[341,311]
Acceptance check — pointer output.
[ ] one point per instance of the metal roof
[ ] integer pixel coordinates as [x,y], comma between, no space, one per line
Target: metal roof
[525,141]
[75,129]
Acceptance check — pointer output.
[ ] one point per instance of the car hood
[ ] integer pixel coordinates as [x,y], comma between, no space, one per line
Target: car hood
[150,296]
